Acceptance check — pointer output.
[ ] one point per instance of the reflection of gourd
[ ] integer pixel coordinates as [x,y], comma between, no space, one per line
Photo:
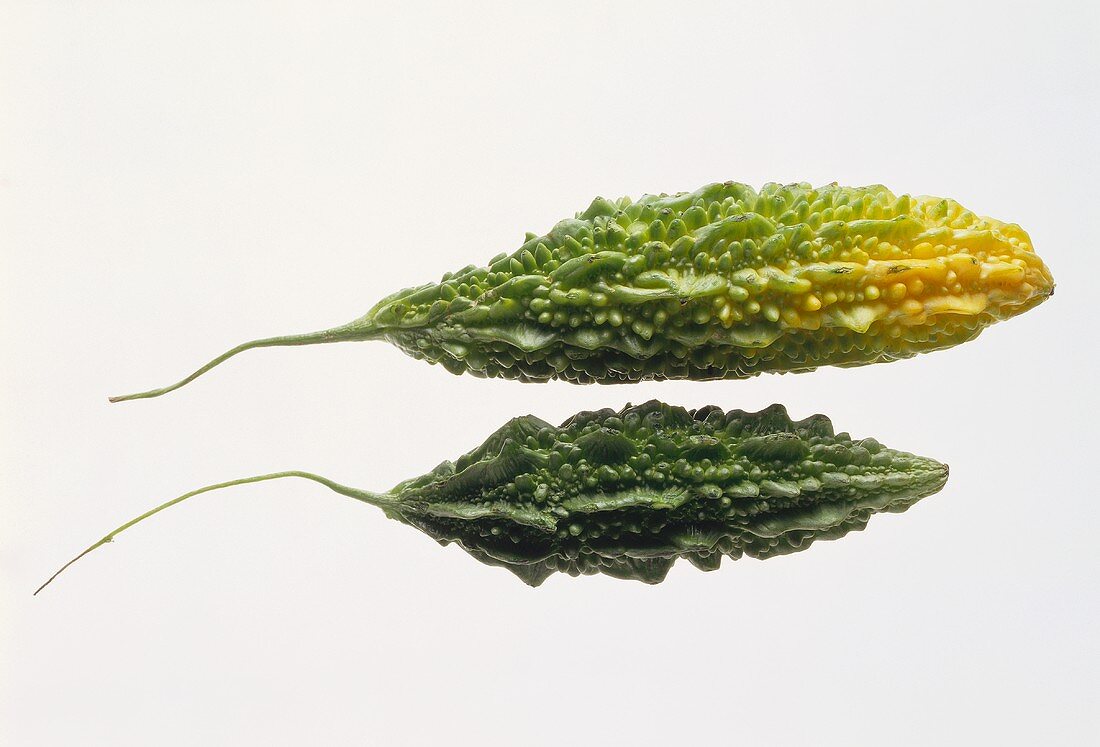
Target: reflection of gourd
[627,493]
[723,282]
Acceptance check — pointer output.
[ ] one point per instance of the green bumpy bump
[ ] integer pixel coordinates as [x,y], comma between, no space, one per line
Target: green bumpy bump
[721,283]
[627,493]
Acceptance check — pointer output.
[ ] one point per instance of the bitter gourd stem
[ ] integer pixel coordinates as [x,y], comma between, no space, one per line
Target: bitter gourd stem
[355,331]
[375,499]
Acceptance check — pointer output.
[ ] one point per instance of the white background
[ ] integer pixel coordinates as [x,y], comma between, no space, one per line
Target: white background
[179,177]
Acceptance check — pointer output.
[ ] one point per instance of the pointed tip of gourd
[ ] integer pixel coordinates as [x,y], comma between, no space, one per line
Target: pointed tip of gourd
[141,395]
[357,330]
[385,501]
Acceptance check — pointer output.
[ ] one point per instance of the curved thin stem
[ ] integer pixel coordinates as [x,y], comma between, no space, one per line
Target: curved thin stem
[375,499]
[351,331]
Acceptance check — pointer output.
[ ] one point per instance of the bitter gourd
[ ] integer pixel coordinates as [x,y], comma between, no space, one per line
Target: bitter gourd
[627,493]
[723,282]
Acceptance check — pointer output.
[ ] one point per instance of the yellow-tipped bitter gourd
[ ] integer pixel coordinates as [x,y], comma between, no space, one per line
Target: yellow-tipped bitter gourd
[628,493]
[723,282]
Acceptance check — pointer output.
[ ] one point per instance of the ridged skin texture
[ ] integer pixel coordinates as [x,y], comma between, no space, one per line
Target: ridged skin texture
[627,493]
[723,282]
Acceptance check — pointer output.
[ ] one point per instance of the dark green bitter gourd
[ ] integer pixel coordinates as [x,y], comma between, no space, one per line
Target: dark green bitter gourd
[723,282]
[627,493]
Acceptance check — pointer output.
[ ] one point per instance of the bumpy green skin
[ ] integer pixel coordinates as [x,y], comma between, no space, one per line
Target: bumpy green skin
[723,282]
[627,493]
[720,283]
